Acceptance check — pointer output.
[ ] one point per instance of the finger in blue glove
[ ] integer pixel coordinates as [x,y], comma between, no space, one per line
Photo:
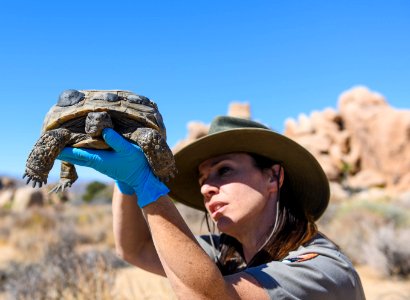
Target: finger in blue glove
[127,164]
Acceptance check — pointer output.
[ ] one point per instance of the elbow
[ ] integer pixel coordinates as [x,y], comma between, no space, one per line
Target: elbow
[127,256]
[120,253]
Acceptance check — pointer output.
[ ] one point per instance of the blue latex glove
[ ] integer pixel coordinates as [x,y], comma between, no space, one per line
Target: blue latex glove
[127,165]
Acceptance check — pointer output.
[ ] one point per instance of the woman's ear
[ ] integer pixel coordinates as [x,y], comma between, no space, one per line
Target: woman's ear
[276,175]
[279,173]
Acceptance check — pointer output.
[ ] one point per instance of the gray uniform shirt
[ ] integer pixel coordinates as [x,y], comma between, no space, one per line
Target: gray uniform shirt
[317,271]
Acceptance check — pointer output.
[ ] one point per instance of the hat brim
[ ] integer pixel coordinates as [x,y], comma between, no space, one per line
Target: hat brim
[305,178]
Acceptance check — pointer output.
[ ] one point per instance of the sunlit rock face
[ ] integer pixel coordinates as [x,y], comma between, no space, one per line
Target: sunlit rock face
[196,129]
[363,143]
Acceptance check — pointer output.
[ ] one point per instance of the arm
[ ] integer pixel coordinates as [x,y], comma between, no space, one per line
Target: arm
[132,238]
[191,272]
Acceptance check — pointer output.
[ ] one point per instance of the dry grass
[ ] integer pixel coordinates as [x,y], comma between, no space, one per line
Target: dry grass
[47,263]
[66,252]
[63,274]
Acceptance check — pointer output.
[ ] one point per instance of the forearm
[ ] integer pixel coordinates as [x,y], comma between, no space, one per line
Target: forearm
[132,237]
[191,272]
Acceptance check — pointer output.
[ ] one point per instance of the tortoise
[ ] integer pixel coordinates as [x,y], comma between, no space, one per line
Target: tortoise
[77,120]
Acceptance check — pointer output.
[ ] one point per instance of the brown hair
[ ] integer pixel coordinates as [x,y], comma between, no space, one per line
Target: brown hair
[292,229]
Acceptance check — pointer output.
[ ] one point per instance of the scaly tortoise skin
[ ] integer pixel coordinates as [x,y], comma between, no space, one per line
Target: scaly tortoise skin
[77,120]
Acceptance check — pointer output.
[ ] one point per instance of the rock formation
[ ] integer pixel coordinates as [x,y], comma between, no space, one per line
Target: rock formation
[365,143]
[197,129]
[240,110]
[26,197]
[20,197]
[7,189]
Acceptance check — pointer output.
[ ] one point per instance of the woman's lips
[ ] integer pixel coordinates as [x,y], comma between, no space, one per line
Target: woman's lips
[216,208]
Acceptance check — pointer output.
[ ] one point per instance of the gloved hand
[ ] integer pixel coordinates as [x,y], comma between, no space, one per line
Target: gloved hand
[127,165]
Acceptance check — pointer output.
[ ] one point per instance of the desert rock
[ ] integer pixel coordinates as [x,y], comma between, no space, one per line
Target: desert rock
[363,144]
[26,197]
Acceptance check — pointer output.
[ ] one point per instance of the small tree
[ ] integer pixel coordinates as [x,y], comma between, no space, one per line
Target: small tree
[92,190]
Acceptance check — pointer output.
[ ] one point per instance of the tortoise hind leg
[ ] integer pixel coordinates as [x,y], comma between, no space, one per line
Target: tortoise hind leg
[157,152]
[68,175]
[41,159]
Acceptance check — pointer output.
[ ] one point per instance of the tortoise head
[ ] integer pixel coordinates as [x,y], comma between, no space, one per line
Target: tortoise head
[96,122]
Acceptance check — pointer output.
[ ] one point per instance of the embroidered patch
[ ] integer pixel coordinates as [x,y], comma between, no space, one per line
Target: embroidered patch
[300,258]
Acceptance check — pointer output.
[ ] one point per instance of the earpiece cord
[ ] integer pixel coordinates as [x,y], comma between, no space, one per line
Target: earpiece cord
[277,212]
[216,257]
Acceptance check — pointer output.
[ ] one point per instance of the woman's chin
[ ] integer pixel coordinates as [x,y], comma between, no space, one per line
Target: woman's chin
[225,224]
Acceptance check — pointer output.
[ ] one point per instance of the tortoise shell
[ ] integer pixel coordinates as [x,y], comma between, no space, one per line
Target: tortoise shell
[133,116]
[73,104]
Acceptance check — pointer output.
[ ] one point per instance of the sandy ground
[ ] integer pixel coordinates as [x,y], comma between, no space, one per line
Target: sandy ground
[378,288]
[134,283]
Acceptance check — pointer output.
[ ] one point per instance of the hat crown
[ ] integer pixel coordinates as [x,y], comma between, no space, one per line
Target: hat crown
[223,123]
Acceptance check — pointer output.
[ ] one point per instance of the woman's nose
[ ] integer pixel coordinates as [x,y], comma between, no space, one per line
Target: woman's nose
[209,190]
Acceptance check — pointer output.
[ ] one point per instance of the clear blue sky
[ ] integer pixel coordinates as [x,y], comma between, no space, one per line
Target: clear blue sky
[195,57]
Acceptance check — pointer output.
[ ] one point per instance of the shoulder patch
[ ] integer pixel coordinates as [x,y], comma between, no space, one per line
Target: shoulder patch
[300,258]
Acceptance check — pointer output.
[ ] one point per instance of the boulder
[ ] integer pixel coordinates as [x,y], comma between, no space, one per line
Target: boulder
[366,179]
[6,197]
[7,183]
[379,133]
[26,197]
[195,130]
[365,140]
[240,110]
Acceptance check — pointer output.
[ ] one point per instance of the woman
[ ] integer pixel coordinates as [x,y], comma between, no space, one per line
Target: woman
[263,191]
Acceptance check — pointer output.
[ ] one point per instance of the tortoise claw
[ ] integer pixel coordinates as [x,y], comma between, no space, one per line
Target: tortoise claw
[35,180]
[61,186]
[54,189]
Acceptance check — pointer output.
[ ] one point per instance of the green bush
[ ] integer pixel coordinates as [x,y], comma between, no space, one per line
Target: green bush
[92,190]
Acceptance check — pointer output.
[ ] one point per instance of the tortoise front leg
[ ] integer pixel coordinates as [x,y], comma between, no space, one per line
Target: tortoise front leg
[41,159]
[157,152]
[68,175]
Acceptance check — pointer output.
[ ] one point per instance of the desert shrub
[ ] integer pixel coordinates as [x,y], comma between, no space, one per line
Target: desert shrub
[389,252]
[93,223]
[375,233]
[59,253]
[32,230]
[63,273]
[104,196]
[37,218]
[66,275]
[92,189]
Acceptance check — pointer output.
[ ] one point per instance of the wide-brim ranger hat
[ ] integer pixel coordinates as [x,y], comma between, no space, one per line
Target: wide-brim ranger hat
[305,181]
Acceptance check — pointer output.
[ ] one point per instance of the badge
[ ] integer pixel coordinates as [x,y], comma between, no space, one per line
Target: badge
[300,258]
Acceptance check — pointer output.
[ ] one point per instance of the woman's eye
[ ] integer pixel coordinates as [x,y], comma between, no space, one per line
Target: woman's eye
[224,170]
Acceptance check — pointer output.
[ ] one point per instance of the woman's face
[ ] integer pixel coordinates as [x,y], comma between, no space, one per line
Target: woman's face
[236,192]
